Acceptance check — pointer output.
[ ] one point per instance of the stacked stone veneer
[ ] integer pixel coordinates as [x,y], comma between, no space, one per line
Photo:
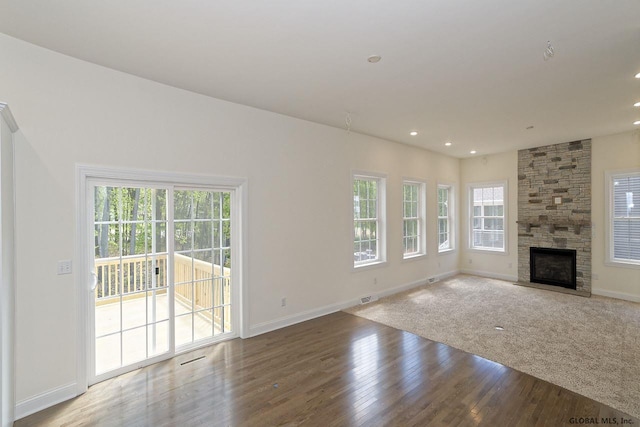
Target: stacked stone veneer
[544,173]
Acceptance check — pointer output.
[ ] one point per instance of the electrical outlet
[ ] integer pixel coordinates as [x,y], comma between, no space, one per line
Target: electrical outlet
[595,276]
[470,261]
[375,280]
[283,302]
[510,265]
[64,266]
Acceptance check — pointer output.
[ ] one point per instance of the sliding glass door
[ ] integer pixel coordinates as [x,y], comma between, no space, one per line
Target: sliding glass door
[202,264]
[162,273]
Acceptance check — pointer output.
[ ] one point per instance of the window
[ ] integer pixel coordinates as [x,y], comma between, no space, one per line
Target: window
[413,227]
[487,208]
[368,220]
[445,218]
[624,214]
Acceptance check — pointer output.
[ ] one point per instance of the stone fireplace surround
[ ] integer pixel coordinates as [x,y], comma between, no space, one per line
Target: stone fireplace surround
[554,207]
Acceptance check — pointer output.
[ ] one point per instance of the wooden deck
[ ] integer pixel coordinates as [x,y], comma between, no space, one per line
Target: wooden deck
[337,370]
[135,341]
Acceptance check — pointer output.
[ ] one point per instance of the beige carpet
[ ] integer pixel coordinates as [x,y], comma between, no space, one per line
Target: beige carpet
[587,345]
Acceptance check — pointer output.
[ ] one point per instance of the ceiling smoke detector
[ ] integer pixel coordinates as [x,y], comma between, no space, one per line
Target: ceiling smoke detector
[374,58]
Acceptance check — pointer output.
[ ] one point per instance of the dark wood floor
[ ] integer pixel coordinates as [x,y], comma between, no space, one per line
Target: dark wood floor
[338,370]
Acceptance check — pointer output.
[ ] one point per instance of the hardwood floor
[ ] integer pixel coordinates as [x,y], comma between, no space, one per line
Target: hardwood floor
[337,370]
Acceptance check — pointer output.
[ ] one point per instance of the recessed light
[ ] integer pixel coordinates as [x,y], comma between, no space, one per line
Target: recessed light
[448,144]
[499,328]
[637,122]
[638,76]
[413,133]
[473,151]
[637,104]
[374,58]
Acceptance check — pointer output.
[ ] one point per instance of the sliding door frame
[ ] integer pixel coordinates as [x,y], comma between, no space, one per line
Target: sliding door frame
[86,176]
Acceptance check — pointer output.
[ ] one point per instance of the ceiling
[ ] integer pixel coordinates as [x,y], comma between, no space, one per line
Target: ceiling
[466,71]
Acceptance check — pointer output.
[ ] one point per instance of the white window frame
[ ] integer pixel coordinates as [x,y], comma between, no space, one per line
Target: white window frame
[380,219]
[610,177]
[421,218]
[450,217]
[505,211]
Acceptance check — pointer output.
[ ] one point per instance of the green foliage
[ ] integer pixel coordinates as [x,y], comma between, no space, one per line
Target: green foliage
[133,221]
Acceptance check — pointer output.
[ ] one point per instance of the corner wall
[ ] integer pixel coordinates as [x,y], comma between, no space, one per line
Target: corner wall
[494,167]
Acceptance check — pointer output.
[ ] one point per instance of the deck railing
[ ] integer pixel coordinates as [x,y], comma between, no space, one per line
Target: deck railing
[198,284]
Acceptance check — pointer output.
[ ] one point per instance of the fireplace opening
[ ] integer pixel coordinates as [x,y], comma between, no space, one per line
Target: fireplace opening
[555,267]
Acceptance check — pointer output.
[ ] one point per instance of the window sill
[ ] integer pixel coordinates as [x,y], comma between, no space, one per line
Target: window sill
[622,264]
[413,257]
[368,266]
[446,251]
[489,251]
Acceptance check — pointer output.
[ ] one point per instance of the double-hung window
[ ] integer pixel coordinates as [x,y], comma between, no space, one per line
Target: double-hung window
[445,218]
[624,218]
[413,218]
[487,211]
[368,219]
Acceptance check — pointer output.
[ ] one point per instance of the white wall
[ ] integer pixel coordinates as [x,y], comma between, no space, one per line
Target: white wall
[7,283]
[299,221]
[491,168]
[610,153]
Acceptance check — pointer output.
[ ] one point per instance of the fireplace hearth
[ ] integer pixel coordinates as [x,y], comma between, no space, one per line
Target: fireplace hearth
[556,267]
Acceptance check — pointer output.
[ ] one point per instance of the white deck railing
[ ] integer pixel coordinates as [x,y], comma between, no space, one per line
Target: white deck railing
[197,283]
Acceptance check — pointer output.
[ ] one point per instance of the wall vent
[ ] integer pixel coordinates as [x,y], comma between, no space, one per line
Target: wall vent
[365,300]
[432,279]
[192,360]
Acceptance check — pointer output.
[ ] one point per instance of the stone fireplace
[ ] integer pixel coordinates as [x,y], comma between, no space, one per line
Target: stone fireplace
[554,217]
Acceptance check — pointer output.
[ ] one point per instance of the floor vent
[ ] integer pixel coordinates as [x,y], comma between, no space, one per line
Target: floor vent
[192,360]
[365,300]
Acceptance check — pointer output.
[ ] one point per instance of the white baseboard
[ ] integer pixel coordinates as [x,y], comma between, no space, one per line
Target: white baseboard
[448,274]
[415,284]
[491,275]
[614,294]
[400,288]
[44,400]
[283,322]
